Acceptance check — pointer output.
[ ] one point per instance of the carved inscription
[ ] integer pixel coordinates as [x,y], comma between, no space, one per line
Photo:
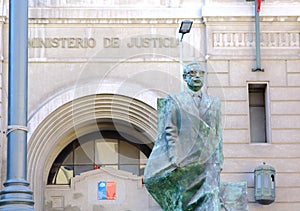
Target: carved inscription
[108,42]
[55,42]
[247,39]
[152,42]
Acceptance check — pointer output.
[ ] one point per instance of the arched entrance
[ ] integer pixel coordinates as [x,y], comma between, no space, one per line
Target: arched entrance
[124,118]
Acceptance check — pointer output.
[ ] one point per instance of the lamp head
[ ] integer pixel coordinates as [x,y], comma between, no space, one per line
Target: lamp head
[185,27]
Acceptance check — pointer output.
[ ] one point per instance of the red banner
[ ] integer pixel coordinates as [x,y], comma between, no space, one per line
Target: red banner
[258,5]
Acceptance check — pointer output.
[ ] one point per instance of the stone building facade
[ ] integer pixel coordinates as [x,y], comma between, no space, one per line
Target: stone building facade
[96,68]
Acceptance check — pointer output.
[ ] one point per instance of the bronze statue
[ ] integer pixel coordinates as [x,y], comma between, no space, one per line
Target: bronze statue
[183,170]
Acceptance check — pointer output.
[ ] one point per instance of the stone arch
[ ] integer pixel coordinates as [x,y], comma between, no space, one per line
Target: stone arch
[78,117]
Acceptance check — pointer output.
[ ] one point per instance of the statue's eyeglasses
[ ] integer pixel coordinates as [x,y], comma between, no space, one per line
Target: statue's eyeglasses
[195,72]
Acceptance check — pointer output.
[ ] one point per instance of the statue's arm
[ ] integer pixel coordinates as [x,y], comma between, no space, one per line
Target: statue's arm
[171,128]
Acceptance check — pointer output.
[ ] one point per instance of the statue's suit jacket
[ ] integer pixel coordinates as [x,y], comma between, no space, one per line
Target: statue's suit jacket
[186,134]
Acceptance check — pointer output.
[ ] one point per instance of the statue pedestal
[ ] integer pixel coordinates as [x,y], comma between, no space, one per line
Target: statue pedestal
[233,196]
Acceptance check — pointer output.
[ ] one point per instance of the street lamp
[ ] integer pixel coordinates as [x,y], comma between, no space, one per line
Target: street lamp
[185,27]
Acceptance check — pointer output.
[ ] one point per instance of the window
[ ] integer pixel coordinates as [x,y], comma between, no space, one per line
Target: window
[91,152]
[258,111]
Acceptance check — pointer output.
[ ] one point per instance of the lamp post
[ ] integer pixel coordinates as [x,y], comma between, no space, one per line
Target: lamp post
[185,27]
[16,195]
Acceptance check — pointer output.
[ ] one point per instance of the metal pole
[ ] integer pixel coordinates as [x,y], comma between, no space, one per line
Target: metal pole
[16,195]
[181,64]
[257,39]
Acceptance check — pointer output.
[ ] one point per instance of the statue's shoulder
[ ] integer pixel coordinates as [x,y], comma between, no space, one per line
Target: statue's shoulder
[178,95]
[214,100]
[175,96]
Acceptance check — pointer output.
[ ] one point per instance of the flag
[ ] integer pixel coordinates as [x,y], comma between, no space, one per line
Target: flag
[111,190]
[107,190]
[258,5]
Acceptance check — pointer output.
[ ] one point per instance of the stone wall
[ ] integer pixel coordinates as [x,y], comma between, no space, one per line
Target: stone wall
[231,57]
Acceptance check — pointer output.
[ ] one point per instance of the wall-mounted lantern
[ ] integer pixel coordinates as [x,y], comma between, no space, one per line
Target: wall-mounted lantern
[264,184]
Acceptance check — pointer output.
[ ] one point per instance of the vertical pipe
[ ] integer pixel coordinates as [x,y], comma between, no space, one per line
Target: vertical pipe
[257,35]
[257,39]
[16,195]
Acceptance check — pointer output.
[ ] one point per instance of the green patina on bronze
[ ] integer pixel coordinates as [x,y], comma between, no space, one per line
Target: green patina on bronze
[183,170]
[167,189]
[233,196]
[175,187]
[184,167]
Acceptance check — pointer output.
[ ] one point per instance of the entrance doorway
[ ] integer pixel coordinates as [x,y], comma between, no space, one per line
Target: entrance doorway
[96,138]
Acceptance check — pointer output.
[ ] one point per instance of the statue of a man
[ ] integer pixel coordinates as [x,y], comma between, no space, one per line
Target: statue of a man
[183,170]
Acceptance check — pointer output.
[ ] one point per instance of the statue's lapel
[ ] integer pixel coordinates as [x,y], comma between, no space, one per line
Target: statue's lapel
[204,105]
[187,103]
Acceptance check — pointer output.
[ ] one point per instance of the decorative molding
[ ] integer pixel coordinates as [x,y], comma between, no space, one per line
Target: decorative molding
[104,3]
[96,21]
[281,39]
[115,13]
[54,129]
[247,39]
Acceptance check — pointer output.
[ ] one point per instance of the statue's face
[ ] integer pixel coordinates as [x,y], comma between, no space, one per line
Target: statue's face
[194,79]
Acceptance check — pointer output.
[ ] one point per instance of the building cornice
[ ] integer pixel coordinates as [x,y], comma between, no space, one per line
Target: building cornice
[114,13]
[279,10]
[210,13]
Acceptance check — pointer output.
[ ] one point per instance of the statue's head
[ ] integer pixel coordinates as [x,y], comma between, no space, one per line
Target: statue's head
[193,74]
